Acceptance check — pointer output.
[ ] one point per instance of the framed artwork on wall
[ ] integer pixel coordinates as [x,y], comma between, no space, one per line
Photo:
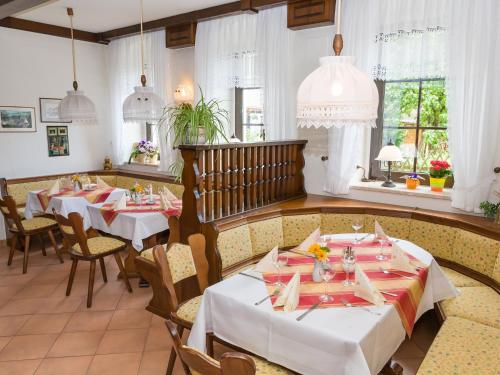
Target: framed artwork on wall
[57,140]
[49,110]
[17,119]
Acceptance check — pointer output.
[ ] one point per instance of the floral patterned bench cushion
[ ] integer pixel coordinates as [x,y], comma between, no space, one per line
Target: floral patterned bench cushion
[459,279]
[297,227]
[463,347]
[20,191]
[393,226]
[234,245]
[339,223]
[266,234]
[436,239]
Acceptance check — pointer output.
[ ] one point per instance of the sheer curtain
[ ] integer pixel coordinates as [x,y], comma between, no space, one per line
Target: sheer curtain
[473,92]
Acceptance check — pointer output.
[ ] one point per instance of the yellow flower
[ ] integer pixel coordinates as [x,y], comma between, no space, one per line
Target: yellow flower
[323,256]
[314,248]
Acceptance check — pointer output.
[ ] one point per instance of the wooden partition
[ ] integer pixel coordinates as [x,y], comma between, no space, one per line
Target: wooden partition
[229,179]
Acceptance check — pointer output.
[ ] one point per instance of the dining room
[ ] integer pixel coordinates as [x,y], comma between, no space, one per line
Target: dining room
[247,187]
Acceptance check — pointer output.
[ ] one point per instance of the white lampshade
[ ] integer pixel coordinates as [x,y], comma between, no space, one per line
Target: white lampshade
[337,94]
[76,107]
[143,105]
[390,153]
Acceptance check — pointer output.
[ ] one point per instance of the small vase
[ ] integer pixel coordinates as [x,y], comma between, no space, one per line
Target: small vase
[153,159]
[140,158]
[437,184]
[137,198]
[316,274]
[412,184]
[76,187]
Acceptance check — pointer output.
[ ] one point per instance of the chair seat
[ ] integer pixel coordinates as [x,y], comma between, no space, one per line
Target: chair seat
[99,245]
[477,303]
[459,279]
[37,223]
[463,347]
[188,310]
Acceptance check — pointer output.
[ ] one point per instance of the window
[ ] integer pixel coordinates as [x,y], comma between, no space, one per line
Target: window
[249,115]
[413,115]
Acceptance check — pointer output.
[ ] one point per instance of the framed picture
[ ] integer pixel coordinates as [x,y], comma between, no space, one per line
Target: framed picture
[17,119]
[49,110]
[57,140]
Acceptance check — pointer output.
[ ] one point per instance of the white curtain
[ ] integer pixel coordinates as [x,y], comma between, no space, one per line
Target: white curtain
[473,92]
[124,70]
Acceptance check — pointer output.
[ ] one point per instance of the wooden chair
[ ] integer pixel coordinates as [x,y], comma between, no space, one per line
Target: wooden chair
[26,229]
[195,362]
[89,246]
[178,263]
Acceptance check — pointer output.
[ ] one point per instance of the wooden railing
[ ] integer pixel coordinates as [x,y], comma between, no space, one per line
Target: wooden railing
[229,179]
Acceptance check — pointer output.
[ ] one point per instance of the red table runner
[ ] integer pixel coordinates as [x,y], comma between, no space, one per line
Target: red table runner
[109,214]
[93,196]
[409,292]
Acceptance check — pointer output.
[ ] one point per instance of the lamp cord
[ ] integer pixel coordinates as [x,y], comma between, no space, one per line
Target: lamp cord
[339,15]
[70,15]
[143,76]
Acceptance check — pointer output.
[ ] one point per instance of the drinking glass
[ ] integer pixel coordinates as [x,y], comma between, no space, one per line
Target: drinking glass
[348,264]
[279,260]
[381,256]
[357,224]
[326,274]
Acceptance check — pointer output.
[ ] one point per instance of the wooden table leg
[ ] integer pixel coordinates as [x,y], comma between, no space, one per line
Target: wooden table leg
[132,254]
[392,368]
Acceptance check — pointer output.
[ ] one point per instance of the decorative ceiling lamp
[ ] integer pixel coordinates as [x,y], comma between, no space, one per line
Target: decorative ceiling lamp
[76,107]
[143,105]
[337,93]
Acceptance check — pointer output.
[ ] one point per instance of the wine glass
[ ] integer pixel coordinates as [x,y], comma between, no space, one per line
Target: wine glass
[381,255]
[279,260]
[357,224]
[326,274]
[348,265]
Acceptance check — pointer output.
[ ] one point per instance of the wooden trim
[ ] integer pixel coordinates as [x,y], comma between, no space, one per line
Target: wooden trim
[10,7]
[242,145]
[44,28]
[180,36]
[304,14]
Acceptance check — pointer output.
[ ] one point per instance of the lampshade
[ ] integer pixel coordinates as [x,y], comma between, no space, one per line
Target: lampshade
[390,152]
[143,105]
[337,94]
[76,107]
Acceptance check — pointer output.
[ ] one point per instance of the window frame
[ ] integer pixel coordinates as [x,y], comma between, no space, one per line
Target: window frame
[377,134]
[239,124]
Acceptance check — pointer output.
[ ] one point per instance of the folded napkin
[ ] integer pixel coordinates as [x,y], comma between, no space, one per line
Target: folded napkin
[168,194]
[164,202]
[313,238]
[100,182]
[55,188]
[289,297]
[365,289]
[400,260]
[266,264]
[379,232]
[121,203]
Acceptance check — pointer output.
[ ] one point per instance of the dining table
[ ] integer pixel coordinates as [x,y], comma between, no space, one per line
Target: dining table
[348,336]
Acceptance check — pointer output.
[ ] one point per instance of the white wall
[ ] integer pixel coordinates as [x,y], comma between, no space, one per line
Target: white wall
[33,66]
[182,67]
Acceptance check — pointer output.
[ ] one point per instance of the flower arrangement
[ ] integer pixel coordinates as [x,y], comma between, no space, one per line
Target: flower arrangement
[440,169]
[319,252]
[137,188]
[412,180]
[146,148]
[75,178]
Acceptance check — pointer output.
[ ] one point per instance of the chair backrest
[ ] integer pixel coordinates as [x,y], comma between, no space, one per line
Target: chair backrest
[76,222]
[65,227]
[3,187]
[173,227]
[10,214]
[196,362]
[180,262]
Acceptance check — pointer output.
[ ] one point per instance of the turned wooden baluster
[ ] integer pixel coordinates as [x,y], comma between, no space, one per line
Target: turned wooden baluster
[233,209]
[260,176]
[248,178]
[218,183]
[253,178]
[209,189]
[241,179]
[226,175]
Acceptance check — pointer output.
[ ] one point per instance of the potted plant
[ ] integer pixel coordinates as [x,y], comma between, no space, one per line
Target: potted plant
[412,180]
[438,173]
[490,210]
[152,152]
[138,152]
[320,254]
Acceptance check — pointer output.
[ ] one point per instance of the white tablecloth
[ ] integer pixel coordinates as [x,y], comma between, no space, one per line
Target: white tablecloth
[65,205]
[328,341]
[131,226]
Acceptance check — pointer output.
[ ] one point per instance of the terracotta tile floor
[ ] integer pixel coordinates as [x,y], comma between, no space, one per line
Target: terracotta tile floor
[44,332]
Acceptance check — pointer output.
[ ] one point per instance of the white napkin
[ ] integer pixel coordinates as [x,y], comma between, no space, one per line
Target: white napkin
[289,297]
[121,203]
[400,260]
[168,194]
[266,264]
[313,238]
[54,189]
[379,232]
[100,183]
[164,202]
[365,289]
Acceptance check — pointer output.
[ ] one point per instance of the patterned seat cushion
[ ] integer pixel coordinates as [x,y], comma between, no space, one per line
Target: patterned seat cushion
[234,245]
[459,279]
[296,228]
[463,347]
[338,223]
[37,223]
[148,254]
[393,226]
[496,270]
[189,309]
[20,191]
[478,303]
[266,234]
[99,245]
[181,262]
[435,238]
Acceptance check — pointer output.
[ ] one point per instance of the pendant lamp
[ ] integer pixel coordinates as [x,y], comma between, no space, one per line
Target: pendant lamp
[143,105]
[337,93]
[76,107]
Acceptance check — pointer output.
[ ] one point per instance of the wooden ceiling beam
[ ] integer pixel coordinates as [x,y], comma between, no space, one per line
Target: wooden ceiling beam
[10,7]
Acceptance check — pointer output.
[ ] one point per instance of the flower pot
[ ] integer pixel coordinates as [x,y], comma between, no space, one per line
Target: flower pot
[140,158]
[437,184]
[316,274]
[153,159]
[412,184]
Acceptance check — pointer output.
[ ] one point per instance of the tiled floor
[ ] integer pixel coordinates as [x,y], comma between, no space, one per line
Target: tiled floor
[44,332]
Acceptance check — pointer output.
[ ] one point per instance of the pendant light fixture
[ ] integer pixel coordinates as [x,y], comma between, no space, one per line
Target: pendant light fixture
[76,107]
[337,93]
[143,105]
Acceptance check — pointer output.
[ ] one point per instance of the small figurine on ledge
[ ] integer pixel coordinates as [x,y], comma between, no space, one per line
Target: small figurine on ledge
[108,164]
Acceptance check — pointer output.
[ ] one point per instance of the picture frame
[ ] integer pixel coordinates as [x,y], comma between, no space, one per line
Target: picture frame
[57,141]
[49,111]
[16,119]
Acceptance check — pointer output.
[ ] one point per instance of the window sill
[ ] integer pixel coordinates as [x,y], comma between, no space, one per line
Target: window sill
[400,189]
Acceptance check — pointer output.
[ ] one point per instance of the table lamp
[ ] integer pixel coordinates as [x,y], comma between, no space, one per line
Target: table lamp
[389,153]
